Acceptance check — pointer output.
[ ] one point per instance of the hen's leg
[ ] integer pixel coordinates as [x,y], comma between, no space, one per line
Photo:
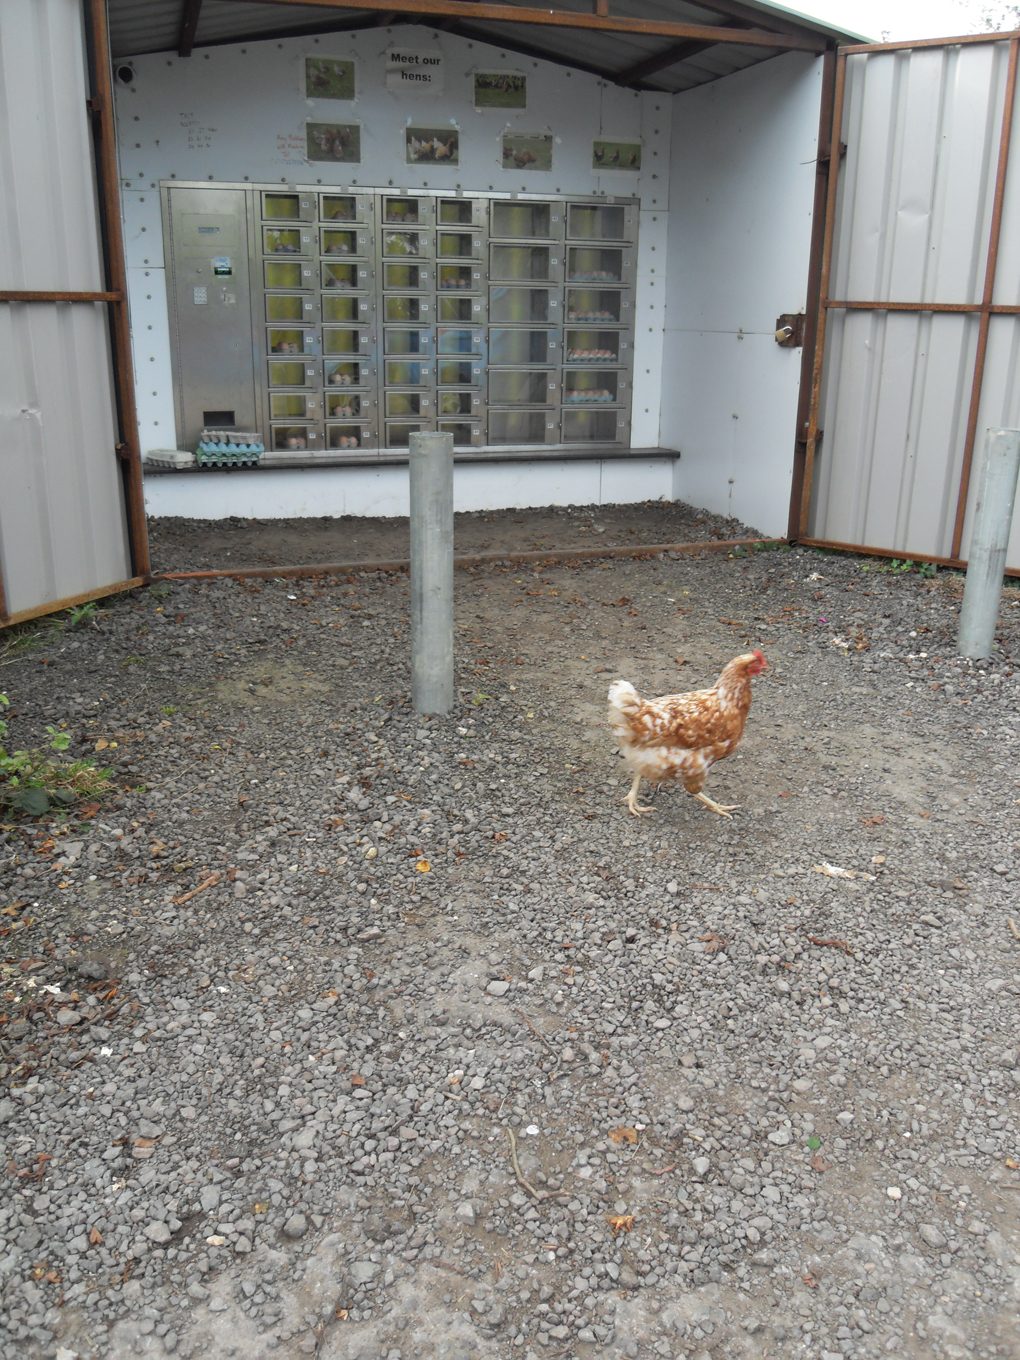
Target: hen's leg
[632,798]
[723,809]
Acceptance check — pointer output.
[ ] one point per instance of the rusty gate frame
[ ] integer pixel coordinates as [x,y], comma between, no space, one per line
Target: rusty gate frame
[814,353]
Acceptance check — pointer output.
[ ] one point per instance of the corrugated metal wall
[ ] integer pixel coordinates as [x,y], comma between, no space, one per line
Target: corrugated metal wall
[63,529]
[913,216]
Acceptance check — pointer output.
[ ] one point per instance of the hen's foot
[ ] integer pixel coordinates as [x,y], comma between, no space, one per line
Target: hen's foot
[723,809]
[631,800]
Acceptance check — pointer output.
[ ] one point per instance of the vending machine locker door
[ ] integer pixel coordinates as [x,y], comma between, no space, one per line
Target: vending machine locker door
[210,309]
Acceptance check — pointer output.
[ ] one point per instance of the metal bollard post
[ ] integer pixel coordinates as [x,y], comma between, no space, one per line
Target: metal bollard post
[431,572]
[993,516]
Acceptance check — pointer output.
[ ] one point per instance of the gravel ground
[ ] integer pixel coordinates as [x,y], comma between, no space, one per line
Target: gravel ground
[271,1019]
[219,545]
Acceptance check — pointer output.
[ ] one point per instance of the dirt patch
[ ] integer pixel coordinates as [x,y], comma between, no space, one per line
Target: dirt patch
[208,545]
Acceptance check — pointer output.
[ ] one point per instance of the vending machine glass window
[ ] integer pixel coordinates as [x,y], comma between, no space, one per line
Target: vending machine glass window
[406,309]
[345,375]
[343,405]
[290,342]
[602,346]
[285,274]
[341,242]
[458,212]
[590,386]
[462,277]
[520,262]
[339,207]
[281,307]
[461,430]
[289,375]
[348,436]
[398,434]
[280,242]
[596,222]
[585,427]
[508,346]
[458,308]
[522,221]
[291,406]
[340,342]
[590,304]
[340,309]
[406,373]
[292,438]
[406,342]
[521,305]
[585,265]
[457,403]
[279,207]
[518,427]
[451,341]
[403,403]
[412,277]
[523,387]
[398,243]
[406,211]
[458,373]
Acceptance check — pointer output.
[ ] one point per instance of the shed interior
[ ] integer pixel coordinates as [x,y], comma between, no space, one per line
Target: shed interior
[569,246]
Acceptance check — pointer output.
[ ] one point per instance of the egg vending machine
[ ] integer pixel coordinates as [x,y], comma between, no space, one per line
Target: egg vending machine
[336,322]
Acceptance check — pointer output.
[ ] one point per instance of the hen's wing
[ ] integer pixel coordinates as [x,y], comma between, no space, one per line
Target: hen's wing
[686,721]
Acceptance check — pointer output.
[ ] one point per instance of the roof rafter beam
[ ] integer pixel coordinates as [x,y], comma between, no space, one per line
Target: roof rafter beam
[190,11]
[523,49]
[661,61]
[475,10]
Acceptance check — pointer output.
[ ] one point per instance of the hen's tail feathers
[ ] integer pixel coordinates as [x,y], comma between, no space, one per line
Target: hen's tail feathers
[624,697]
[624,705]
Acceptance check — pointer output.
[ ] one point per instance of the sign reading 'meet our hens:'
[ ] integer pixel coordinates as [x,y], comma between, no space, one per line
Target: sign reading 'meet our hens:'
[421,72]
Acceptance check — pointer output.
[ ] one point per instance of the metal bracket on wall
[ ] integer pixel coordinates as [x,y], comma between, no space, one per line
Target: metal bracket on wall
[790,330]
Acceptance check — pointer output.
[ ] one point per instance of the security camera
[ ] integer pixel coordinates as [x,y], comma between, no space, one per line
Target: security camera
[125,74]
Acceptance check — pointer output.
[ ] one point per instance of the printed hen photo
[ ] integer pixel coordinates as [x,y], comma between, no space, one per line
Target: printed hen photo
[681,736]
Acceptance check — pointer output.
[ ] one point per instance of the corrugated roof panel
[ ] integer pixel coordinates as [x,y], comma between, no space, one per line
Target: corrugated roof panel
[138,26]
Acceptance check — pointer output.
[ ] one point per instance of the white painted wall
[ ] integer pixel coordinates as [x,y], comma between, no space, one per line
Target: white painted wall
[742,174]
[312,492]
[237,112]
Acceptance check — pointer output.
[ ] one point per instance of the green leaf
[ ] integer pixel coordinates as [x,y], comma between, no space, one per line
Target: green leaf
[33,801]
[65,797]
[814,1142]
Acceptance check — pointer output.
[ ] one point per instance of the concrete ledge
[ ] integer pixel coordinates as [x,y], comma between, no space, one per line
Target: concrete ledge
[374,489]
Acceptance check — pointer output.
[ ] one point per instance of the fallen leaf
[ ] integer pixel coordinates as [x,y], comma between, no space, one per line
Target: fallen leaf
[341,1314]
[261,1208]
[423,866]
[623,1134]
[13,909]
[102,744]
[95,1238]
[834,871]
[713,942]
[620,1222]
[814,1142]
[819,1164]
[810,1280]
[145,1142]
[357,1080]
[832,944]
[1012,1164]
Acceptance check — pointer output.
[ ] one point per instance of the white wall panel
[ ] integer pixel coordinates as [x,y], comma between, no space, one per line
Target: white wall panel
[310,492]
[237,113]
[742,185]
[912,225]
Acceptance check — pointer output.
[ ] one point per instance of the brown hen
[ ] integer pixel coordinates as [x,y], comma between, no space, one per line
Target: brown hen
[681,736]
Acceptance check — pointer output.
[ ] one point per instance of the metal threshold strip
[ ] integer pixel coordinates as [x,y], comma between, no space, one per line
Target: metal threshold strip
[544,557]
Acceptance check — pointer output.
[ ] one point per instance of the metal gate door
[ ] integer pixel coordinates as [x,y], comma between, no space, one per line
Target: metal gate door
[918,348]
[72,522]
